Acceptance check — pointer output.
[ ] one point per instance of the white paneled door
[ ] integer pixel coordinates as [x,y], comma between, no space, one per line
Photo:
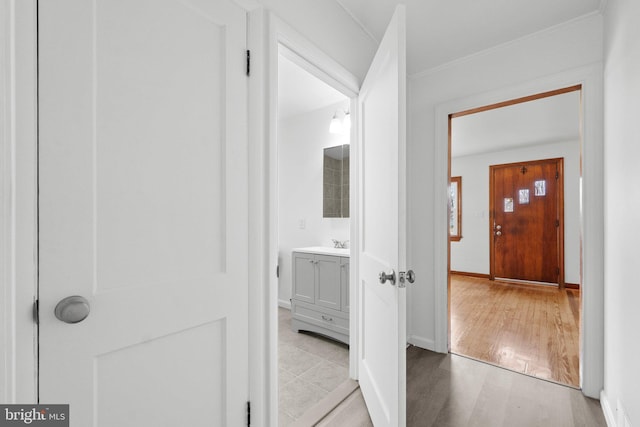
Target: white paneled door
[382,306]
[143,211]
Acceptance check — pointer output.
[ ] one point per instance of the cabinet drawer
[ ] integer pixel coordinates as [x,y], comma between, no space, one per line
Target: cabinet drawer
[326,318]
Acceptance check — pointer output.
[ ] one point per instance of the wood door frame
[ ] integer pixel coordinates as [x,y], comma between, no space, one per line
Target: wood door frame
[559,161]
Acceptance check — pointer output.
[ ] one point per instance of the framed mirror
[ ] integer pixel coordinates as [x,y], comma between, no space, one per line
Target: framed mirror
[336,182]
[455,208]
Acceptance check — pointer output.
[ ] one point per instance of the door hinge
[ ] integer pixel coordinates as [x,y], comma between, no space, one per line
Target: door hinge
[557,175]
[248,62]
[248,413]
[278,271]
[557,223]
[36,312]
[558,271]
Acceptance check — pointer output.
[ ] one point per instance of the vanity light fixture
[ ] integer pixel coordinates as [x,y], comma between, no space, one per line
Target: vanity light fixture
[335,126]
[338,126]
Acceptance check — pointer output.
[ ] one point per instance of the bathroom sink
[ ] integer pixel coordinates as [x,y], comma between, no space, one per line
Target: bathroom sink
[324,250]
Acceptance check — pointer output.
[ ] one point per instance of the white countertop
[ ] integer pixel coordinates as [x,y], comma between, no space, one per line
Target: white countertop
[321,250]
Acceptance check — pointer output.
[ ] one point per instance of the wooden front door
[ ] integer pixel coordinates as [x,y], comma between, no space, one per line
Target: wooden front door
[527,221]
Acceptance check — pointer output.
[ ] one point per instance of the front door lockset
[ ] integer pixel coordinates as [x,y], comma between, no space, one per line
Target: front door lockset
[403,277]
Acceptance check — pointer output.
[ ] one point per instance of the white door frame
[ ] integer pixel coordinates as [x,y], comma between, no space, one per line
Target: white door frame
[592,212]
[306,55]
[18,200]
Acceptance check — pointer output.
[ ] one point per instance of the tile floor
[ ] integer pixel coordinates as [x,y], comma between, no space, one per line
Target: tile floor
[309,367]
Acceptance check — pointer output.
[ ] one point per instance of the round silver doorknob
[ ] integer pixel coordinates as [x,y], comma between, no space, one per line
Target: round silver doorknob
[72,309]
[498,233]
[383,277]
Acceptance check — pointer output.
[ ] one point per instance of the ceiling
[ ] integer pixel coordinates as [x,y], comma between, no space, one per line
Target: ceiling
[542,121]
[536,122]
[300,92]
[440,31]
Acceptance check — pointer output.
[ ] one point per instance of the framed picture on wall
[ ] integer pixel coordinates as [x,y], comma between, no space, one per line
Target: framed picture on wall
[455,208]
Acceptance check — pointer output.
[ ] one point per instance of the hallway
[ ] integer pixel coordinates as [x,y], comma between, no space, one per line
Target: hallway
[442,389]
[450,390]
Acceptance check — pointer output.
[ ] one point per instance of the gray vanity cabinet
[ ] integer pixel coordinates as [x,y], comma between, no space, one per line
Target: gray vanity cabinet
[304,276]
[320,297]
[328,282]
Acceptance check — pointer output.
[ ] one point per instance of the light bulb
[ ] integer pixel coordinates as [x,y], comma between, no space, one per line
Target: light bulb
[335,126]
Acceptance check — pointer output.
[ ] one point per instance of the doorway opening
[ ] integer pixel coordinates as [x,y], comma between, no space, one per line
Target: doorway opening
[515,241]
[313,232]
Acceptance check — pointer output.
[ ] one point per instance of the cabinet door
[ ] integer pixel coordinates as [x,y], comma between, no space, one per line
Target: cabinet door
[344,282]
[328,289]
[304,277]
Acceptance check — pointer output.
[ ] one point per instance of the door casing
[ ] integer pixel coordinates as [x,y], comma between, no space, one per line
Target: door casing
[590,77]
[306,55]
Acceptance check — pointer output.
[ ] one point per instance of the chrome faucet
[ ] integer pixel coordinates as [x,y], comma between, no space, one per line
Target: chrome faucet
[339,244]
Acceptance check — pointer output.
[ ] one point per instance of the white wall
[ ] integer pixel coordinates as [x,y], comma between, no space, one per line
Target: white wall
[471,253]
[622,201]
[301,141]
[517,63]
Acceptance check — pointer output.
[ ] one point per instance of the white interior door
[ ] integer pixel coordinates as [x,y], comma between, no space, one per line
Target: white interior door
[143,211]
[382,307]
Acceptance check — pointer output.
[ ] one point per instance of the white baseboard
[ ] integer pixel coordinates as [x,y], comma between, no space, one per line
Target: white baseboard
[623,419]
[421,342]
[284,303]
[606,408]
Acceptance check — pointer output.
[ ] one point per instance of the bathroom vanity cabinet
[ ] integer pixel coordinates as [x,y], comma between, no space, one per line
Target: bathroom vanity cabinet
[320,294]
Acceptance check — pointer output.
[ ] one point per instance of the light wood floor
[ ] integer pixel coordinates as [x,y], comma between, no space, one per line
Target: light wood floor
[446,390]
[526,328]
